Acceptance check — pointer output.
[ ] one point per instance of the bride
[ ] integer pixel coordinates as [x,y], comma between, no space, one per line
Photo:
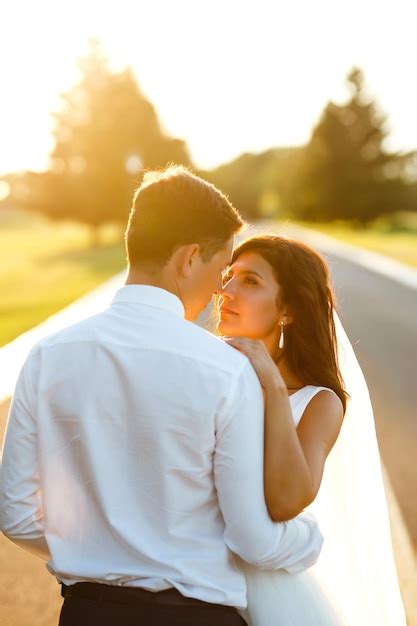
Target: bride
[277,307]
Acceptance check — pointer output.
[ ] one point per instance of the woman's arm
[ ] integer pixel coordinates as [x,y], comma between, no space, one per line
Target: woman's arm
[294,458]
[287,478]
[293,470]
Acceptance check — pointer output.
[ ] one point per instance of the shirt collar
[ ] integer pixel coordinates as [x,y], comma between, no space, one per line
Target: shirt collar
[149,296]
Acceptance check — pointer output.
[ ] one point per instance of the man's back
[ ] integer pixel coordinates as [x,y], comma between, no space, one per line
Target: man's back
[148,464]
[126,405]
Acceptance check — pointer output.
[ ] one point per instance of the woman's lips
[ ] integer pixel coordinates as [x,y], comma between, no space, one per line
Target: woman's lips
[226,310]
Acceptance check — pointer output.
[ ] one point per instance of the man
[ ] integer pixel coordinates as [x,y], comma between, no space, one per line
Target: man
[133,458]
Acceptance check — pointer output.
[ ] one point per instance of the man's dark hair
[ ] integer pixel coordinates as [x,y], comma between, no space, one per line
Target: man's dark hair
[174,207]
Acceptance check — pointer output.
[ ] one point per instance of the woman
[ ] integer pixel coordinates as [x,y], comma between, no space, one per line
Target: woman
[277,307]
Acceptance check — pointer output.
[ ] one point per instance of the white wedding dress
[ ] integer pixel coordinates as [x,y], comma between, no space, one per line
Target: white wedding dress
[354,582]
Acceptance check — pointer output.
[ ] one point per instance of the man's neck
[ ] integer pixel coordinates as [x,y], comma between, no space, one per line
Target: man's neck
[156,278]
[143,277]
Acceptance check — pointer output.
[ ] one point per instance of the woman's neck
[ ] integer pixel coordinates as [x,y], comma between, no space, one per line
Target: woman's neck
[291,380]
[288,375]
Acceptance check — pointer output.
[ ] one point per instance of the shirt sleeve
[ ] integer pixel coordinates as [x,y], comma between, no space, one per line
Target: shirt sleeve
[20,494]
[238,469]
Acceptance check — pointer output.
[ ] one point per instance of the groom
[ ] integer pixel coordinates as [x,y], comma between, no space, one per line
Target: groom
[133,457]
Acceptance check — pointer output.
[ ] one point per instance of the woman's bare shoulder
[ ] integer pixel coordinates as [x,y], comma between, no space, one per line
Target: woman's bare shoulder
[324,412]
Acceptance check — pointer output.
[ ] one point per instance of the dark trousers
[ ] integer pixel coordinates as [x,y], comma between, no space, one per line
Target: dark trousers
[89,604]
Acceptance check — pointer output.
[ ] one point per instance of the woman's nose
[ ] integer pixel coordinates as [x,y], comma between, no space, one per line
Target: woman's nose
[226,290]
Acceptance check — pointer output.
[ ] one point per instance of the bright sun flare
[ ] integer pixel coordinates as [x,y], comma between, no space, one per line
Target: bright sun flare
[226,77]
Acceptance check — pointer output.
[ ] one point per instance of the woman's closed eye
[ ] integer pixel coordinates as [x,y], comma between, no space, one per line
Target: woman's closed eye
[244,278]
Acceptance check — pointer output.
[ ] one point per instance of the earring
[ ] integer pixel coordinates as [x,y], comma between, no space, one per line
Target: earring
[281,337]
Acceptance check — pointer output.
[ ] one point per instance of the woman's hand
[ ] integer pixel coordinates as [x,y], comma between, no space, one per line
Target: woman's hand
[262,362]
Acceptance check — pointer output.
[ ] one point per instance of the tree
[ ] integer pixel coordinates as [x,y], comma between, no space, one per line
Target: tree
[344,172]
[106,133]
[255,183]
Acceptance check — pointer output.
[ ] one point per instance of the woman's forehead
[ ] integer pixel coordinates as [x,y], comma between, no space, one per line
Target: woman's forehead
[252,261]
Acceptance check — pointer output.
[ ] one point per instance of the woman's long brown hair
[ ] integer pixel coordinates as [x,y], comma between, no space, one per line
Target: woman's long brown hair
[303,275]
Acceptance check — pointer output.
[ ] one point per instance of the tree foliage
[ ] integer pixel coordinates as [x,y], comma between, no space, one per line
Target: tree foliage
[345,172]
[256,183]
[106,133]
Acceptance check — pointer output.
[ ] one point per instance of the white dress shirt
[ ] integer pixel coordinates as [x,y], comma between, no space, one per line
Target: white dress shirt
[134,446]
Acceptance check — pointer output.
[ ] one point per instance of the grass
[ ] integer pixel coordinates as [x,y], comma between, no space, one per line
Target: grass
[391,238]
[44,266]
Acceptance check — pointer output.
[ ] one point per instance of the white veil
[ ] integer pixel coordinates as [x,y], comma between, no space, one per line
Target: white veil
[357,566]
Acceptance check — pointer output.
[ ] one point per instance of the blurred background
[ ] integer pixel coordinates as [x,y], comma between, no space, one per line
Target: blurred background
[303,113]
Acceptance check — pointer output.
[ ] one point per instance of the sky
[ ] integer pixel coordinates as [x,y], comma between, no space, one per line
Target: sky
[228,76]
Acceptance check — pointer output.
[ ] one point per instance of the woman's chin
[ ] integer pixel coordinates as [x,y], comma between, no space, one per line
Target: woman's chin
[225,328]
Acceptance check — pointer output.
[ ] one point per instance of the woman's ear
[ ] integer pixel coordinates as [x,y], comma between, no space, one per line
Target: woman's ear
[286,317]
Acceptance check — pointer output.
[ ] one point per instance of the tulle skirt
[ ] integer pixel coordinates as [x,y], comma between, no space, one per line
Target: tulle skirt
[282,599]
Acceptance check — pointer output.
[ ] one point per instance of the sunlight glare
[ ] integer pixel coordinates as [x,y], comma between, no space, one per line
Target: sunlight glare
[4,190]
[225,77]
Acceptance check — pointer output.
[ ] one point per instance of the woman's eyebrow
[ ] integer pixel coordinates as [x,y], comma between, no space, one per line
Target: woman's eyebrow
[230,272]
[250,272]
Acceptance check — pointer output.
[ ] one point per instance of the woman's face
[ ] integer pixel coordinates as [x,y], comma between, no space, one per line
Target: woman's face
[248,303]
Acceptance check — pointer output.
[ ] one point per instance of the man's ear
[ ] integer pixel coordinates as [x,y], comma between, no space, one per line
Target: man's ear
[186,258]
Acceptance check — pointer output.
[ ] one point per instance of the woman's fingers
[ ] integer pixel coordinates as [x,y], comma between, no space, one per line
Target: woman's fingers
[251,348]
[238,344]
[242,341]
[261,360]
